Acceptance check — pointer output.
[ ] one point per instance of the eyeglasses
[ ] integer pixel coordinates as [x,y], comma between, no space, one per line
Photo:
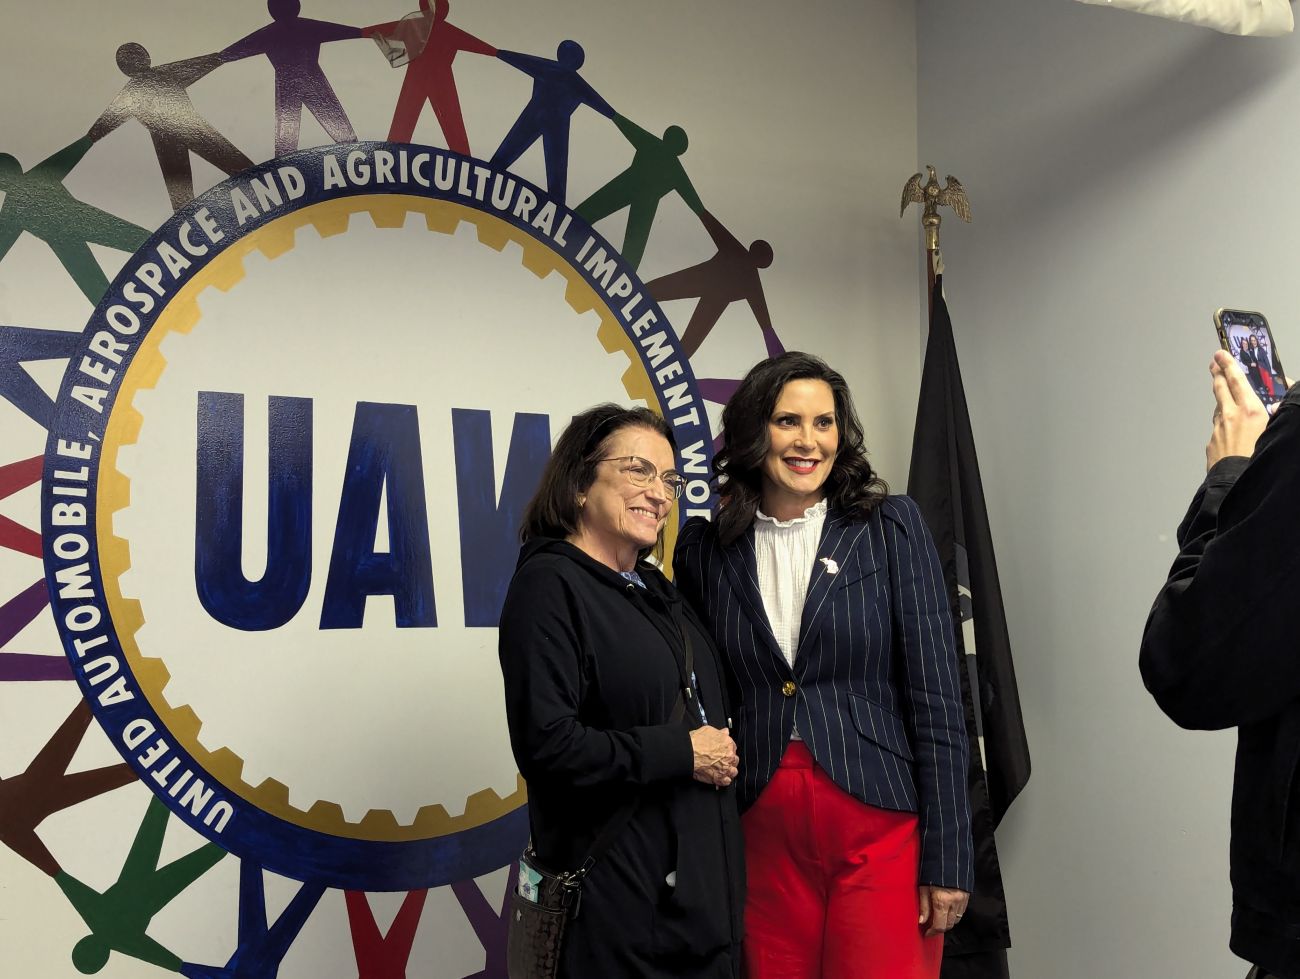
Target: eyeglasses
[642,472]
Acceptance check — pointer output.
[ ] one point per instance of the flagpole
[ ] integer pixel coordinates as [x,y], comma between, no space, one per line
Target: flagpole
[929,284]
[944,481]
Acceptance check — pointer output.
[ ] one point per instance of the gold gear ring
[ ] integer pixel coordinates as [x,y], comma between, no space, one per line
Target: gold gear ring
[181,315]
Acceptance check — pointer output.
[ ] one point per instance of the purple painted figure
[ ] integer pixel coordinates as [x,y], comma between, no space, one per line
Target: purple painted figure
[488,923]
[292,44]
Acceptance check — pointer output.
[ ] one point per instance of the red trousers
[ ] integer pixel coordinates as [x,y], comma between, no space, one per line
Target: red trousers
[832,883]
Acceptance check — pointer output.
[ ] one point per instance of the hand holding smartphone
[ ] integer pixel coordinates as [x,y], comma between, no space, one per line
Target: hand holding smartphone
[1247,337]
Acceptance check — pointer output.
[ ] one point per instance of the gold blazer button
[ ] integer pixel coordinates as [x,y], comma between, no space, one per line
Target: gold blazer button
[788,688]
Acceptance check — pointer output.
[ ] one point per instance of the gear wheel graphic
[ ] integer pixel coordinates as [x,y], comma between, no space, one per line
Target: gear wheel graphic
[181,315]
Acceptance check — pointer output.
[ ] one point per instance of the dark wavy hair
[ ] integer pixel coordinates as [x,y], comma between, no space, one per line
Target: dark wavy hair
[553,511]
[738,467]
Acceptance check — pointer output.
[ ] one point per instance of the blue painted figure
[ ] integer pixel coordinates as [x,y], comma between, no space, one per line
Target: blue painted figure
[261,949]
[558,90]
[19,345]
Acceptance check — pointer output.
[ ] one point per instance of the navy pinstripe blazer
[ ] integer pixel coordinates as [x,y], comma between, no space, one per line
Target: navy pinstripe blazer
[874,687]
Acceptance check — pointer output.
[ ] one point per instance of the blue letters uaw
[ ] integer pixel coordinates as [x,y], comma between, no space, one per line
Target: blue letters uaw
[384,456]
[383,483]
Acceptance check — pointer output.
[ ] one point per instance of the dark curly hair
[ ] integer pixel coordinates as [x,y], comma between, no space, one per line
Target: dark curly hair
[553,511]
[738,467]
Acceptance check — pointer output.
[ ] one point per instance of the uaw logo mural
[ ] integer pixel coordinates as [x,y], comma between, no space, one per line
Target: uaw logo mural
[285,469]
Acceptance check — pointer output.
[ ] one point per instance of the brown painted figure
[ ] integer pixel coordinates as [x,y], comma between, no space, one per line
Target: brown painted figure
[729,276]
[46,788]
[156,97]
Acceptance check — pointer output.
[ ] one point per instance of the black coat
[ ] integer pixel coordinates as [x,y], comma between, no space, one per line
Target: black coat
[1219,651]
[592,668]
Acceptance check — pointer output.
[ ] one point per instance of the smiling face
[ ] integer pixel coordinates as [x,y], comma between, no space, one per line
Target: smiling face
[617,518]
[803,438]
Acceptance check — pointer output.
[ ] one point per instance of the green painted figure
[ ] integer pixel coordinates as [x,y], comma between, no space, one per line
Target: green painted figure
[655,172]
[37,202]
[119,918]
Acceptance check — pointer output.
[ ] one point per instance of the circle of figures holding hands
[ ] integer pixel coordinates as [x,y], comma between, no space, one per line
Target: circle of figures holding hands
[426,44]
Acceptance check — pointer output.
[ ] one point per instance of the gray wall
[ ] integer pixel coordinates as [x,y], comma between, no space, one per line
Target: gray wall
[1128,176]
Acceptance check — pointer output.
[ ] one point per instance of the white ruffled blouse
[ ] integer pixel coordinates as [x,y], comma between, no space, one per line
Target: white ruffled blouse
[786,550]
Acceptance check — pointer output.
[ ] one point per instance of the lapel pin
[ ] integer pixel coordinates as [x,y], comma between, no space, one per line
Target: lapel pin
[831,566]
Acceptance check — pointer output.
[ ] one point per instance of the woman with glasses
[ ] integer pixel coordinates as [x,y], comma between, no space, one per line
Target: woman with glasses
[618,712]
[826,597]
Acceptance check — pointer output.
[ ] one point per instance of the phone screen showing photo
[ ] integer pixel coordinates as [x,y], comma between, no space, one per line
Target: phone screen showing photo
[1247,337]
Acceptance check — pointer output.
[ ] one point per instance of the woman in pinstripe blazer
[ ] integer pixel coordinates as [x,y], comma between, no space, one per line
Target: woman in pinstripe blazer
[826,597]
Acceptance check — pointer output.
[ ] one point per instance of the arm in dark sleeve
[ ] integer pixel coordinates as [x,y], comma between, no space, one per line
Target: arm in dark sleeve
[933,692]
[686,561]
[688,578]
[541,651]
[1218,648]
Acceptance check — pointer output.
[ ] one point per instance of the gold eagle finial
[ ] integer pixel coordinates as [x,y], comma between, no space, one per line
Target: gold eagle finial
[932,197]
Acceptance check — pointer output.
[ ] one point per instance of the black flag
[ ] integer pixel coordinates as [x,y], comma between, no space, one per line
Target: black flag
[945,482]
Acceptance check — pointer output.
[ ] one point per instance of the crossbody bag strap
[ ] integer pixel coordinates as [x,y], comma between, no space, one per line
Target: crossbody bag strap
[689,693]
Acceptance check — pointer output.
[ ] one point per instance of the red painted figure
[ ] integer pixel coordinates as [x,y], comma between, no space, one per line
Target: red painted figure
[429,76]
[383,956]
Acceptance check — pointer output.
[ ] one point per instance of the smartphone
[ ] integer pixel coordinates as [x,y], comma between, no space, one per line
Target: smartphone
[1247,337]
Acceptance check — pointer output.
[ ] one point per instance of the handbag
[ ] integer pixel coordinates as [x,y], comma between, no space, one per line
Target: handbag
[544,901]
[539,910]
